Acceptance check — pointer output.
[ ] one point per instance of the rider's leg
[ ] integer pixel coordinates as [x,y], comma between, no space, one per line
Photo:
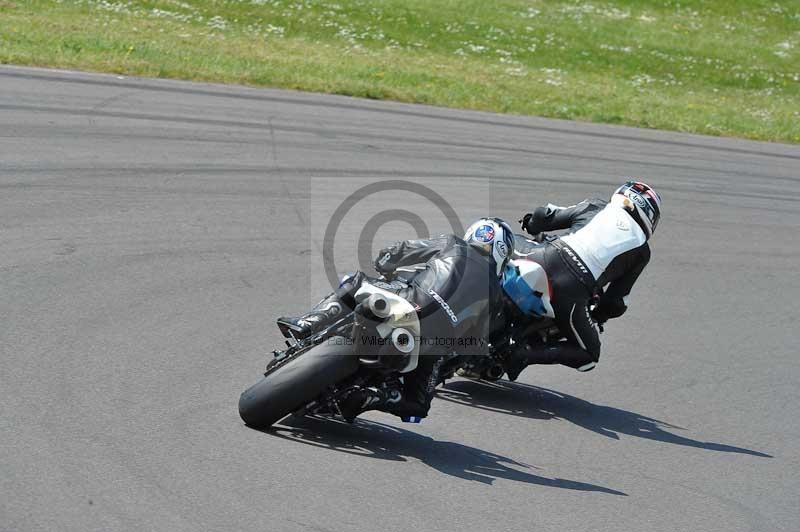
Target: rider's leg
[581,350]
[524,355]
[570,300]
[571,295]
[419,387]
[327,311]
[360,399]
[413,400]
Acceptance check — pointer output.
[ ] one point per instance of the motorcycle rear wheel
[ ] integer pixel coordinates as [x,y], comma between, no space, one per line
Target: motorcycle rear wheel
[297,382]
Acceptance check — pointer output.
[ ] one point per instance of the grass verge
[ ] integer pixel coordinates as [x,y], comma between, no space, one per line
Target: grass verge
[720,67]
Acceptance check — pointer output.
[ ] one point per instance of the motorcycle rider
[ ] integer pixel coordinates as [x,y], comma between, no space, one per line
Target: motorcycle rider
[606,246]
[458,295]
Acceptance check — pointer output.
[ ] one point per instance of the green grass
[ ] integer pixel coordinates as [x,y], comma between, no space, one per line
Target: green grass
[720,67]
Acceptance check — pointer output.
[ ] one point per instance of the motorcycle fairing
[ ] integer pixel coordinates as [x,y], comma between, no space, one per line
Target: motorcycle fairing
[525,282]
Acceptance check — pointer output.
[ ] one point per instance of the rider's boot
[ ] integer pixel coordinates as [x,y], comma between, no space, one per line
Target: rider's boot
[570,355]
[524,356]
[359,400]
[326,312]
[514,367]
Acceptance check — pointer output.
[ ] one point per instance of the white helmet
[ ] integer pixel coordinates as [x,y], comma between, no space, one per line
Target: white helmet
[642,203]
[493,236]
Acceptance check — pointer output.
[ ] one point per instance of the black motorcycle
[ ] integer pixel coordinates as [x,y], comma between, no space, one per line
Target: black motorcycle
[375,345]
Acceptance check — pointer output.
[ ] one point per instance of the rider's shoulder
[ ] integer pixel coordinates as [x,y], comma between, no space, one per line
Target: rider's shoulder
[594,203]
[454,240]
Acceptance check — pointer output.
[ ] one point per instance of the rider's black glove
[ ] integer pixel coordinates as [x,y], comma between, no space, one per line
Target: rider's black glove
[526,220]
[385,262]
[534,222]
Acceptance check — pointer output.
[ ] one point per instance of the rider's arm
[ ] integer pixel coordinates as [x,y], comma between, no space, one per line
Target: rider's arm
[614,301]
[552,217]
[409,252]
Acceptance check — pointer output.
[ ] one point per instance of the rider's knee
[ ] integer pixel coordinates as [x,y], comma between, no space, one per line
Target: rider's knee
[591,360]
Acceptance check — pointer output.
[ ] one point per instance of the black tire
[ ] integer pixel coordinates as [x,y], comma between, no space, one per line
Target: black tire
[297,382]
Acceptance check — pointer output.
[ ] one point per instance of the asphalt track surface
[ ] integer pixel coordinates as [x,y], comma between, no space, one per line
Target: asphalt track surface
[150,232]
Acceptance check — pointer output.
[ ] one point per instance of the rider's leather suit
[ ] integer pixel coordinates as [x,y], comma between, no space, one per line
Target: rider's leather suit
[460,306]
[604,248]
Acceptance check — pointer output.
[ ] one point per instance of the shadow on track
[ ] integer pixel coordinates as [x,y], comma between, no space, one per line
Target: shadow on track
[385,442]
[532,402]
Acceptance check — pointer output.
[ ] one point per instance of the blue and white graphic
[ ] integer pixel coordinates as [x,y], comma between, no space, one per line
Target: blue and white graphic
[484,233]
[525,282]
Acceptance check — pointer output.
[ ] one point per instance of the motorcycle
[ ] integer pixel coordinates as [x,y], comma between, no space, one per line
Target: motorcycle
[377,343]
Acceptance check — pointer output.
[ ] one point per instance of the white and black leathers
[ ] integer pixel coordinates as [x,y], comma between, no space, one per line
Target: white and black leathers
[604,247]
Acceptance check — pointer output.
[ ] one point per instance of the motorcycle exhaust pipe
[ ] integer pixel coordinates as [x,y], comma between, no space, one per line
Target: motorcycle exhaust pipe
[403,340]
[378,305]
